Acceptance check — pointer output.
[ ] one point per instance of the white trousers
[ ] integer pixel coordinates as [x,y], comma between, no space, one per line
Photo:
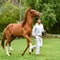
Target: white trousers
[39,43]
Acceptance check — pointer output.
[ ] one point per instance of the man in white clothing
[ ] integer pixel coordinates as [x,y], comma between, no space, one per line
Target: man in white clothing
[37,33]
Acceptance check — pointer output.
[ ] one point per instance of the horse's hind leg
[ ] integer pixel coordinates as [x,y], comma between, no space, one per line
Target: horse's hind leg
[7,52]
[10,48]
[8,41]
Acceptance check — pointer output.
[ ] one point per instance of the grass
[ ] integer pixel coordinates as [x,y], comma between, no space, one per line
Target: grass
[49,51]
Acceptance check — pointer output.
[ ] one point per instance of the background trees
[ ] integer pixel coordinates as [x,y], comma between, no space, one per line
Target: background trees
[50,13]
[50,10]
[9,13]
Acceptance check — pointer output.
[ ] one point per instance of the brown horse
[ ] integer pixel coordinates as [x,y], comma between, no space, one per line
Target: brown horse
[20,29]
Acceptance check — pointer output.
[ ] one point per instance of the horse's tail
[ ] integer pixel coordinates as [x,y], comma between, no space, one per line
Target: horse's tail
[3,40]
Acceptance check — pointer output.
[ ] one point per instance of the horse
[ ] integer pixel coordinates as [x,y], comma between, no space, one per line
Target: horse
[23,29]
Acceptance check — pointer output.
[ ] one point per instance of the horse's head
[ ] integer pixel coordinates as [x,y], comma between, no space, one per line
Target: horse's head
[29,14]
[33,12]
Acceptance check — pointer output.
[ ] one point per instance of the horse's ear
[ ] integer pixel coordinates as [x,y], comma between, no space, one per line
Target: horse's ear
[29,9]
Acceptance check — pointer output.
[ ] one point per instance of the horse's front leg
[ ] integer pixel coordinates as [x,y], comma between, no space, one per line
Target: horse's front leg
[29,44]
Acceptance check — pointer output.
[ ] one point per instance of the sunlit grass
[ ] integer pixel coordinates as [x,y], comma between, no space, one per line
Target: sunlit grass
[49,51]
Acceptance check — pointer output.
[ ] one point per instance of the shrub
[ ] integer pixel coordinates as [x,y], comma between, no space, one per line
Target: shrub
[8,14]
[48,17]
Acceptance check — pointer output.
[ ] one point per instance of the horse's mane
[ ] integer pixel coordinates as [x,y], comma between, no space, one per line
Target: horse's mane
[25,18]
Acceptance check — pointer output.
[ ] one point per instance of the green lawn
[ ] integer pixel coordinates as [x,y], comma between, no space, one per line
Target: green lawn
[49,51]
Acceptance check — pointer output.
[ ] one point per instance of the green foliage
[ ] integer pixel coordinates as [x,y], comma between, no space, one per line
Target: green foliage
[31,3]
[1,1]
[22,12]
[49,51]
[48,17]
[8,14]
[50,12]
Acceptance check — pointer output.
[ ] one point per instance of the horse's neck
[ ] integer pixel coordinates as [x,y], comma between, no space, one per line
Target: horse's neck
[29,20]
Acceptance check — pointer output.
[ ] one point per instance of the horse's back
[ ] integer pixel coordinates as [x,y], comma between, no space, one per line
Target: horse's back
[14,29]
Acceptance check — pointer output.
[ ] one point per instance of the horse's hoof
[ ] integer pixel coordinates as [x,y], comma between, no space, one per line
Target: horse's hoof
[29,52]
[32,50]
[10,53]
[22,54]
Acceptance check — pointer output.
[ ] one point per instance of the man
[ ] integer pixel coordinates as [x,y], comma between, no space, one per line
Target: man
[37,33]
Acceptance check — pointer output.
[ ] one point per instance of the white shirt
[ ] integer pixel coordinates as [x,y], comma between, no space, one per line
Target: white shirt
[37,30]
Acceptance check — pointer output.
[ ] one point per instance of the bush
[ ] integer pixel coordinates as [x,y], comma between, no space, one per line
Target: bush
[8,14]
[48,17]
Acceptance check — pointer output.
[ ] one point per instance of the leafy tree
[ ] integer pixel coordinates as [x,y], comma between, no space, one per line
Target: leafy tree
[8,14]
[48,17]
[50,10]
[46,7]
[1,2]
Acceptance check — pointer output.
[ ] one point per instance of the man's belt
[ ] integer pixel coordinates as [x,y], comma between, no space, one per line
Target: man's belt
[39,35]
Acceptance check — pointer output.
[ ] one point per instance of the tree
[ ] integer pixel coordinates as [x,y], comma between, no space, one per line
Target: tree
[9,13]
[15,2]
[46,7]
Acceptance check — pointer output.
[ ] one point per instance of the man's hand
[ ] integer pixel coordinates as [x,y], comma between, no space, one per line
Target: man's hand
[44,32]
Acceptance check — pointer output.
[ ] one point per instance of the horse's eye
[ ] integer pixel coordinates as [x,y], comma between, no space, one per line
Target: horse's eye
[32,11]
